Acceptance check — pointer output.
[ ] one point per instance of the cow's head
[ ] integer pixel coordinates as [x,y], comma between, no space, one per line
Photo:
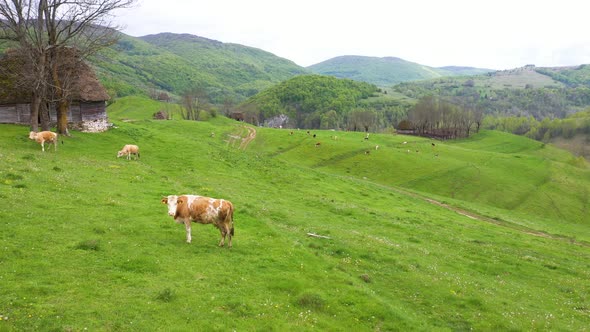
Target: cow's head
[172,202]
[120,153]
[32,135]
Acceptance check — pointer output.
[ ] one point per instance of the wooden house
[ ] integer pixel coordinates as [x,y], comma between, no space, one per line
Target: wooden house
[87,110]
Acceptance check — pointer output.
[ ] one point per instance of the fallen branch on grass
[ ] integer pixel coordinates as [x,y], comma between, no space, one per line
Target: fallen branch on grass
[317,235]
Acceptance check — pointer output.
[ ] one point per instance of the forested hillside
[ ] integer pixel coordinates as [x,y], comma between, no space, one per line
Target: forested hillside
[246,69]
[519,92]
[316,101]
[385,71]
[546,104]
[571,76]
[175,64]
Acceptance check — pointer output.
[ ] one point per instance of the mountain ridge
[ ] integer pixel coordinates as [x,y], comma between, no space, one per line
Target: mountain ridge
[386,71]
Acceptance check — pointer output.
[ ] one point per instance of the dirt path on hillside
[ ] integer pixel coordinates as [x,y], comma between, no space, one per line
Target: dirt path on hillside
[249,138]
[479,217]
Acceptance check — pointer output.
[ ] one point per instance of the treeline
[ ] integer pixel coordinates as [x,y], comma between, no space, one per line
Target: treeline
[443,119]
[572,77]
[553,102]
[322,102]
[543,130]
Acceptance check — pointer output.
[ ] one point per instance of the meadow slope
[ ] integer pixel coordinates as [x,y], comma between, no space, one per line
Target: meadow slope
[86,243]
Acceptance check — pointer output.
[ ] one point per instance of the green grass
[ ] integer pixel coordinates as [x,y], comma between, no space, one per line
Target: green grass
[86,243]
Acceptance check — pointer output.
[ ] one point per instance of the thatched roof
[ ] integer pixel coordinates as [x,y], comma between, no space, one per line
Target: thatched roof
[85,86]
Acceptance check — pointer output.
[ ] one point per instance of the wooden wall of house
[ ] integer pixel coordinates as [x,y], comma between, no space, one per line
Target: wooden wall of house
[15,113]
[78,112]
[91,111]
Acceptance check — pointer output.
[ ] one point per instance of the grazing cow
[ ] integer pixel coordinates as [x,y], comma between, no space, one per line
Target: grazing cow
[367,152]
[128,150]
[202,210]
[317,145]
[44,136]
[376,147]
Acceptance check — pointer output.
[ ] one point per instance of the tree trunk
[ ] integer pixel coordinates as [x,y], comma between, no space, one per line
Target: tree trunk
[45,117]
[35,103]
[62,104]
[62,117]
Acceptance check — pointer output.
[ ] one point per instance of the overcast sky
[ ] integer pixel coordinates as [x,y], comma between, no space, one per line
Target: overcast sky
[498,34]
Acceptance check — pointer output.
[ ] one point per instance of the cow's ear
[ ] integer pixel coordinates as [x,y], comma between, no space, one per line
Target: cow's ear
[179,201]
[165,200]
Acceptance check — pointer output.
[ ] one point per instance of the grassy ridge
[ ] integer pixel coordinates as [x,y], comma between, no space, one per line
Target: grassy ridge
[87,244]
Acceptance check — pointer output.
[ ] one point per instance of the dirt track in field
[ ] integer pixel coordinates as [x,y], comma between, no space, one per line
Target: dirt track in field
[249,138]
[479,217]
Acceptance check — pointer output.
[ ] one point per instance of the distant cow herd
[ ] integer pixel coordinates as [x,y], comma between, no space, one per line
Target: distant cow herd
[185,209]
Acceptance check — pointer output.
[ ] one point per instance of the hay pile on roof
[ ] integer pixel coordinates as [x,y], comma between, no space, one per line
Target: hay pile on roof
[84,84]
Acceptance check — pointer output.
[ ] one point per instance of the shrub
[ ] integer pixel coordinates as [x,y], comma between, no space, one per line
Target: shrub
[311,301]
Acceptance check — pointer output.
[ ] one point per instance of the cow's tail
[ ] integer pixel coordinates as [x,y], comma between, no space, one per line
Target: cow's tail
[230,216]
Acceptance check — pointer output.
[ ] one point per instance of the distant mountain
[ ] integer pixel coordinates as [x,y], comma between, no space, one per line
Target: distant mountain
[462,71]
[385,71]
[176,63]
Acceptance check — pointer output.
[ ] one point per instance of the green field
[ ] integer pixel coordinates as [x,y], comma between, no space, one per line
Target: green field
[87,245]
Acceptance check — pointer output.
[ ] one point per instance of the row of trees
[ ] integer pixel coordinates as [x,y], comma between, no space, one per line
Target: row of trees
[437,117]
[52,37]
[543,130]
[508,100]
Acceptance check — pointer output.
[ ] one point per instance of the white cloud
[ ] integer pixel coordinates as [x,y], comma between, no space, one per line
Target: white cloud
[500,34]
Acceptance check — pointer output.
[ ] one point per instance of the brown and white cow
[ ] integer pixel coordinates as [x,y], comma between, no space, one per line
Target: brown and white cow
[202,210]
[44,136]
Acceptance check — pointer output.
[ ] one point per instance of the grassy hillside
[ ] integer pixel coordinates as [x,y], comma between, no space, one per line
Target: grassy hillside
[179,62]
[385,71]
[86,243]
[527,181]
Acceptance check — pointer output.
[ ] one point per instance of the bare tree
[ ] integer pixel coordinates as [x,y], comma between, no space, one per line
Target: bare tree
[194,101]
[361,118]
[22,23]
[45,28]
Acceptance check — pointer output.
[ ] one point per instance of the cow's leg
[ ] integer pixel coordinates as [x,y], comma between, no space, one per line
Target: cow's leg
[43,146]
[229,236]
[223,233]
[187,225]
